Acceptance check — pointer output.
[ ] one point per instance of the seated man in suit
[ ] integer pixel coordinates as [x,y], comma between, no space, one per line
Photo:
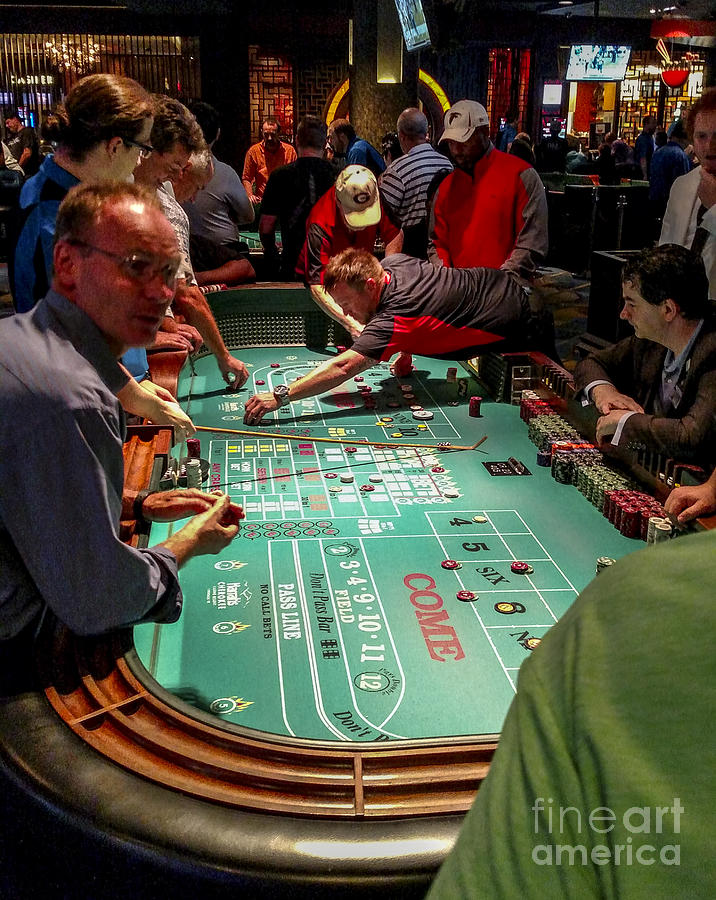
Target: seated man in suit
[657,389]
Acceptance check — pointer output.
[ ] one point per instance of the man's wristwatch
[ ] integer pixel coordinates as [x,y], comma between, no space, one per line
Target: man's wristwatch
[280,394]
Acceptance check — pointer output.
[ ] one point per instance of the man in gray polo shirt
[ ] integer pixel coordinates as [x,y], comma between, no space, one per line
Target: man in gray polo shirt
[61,463]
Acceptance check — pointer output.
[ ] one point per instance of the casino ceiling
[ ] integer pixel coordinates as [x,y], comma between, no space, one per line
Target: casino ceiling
[468,9]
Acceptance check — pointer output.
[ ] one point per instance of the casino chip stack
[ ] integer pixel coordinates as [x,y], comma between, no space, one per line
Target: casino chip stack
[658,529]
[193,473]
[573,461]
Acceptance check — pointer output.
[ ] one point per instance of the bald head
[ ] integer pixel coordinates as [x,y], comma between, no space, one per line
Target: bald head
[412,128]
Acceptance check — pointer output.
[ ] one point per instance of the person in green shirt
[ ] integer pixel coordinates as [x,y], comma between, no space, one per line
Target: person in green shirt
[603,784]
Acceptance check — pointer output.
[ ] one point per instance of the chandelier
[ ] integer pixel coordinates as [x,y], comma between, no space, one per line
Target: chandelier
[71,55]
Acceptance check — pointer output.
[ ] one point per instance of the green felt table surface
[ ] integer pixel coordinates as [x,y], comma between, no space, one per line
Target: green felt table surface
[331,617]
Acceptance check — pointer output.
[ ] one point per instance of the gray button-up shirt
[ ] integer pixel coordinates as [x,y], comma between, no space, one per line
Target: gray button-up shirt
[61,480]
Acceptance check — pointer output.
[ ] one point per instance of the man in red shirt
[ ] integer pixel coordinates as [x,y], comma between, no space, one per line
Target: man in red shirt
[492,210]
[404,305]
[348,215]
[262,158]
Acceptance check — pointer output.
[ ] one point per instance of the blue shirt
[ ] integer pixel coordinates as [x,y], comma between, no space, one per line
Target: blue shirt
[361,153]
[669,390]
[505,138]
[40,199]
[61,482]
[667,163]
[644,149]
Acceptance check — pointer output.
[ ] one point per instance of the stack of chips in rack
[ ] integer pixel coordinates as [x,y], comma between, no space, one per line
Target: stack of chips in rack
[573,461]
[631,511]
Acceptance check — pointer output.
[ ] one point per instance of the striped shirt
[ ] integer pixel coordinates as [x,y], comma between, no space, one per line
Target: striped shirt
[404,184]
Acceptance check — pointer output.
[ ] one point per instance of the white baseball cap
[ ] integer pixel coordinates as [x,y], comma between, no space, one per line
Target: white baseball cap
[357,193]
[462,119]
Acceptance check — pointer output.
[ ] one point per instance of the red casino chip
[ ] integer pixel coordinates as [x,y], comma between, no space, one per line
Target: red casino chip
[466,596]
[351,449]
[521,568]
[451,564]
[330,475]
[367,488]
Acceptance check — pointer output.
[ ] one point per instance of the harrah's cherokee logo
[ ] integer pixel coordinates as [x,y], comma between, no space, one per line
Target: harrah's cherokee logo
[230,627]
[225,705]
[227,564]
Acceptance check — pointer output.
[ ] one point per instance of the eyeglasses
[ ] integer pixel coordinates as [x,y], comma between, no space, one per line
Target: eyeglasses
[145,150]
[139,266]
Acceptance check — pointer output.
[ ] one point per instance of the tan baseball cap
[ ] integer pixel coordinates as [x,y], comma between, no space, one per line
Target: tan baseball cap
[462,119]
[357,193]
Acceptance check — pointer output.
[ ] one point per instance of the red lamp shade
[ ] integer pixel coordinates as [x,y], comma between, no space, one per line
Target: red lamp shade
[674,78]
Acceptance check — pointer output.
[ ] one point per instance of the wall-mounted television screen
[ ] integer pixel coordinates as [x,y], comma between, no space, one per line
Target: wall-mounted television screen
[414,24]
[597,62]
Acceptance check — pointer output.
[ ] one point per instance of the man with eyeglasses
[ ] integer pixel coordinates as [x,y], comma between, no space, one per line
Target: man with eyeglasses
[175,136]
[61,464]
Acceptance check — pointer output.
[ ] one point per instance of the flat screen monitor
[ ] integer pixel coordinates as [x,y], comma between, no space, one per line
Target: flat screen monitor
[414,24]
[597,62]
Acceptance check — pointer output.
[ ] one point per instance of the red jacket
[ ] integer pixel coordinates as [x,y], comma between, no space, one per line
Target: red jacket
[496,218]
[327,235]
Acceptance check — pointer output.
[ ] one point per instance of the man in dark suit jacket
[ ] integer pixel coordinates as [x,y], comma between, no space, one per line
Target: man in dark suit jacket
[657,389]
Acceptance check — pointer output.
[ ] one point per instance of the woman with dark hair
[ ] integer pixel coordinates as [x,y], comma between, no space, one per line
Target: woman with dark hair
[100,132]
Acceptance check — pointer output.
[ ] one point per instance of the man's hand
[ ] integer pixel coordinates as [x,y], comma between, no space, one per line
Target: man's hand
[687,503]
[205,533]
[233,371]
[707,188]
[171,325]
[607,425]
[166,411]
[170,413]
[168,506]
[171,340]
[606,398]
[181,331]
[156,390]
[150,401]
[257,407]
[191,334]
